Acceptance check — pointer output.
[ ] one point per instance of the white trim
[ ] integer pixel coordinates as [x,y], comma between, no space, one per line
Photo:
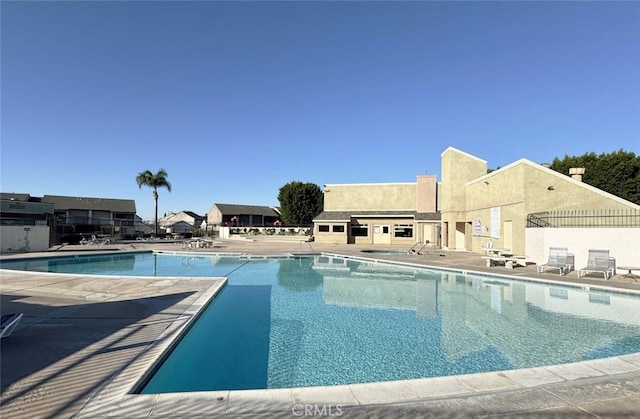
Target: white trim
[383,216]
[461,152]
[329,185]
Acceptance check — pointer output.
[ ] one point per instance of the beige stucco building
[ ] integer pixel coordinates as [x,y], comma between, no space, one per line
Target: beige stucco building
[464,211]
[380,213]
[478,207]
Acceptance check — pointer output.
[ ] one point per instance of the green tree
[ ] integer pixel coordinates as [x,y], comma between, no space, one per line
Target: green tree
[617,173]
[300,202]
[155,181]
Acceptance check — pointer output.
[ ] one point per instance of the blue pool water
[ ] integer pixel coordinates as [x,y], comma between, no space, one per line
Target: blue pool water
[323,320]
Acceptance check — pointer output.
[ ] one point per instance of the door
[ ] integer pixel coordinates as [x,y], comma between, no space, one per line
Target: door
[507,235]
[460,236]
[381,234]
[445,235]
[427,234]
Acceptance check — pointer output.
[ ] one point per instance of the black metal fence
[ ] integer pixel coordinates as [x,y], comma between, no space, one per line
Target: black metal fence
[585,218]
[72,229]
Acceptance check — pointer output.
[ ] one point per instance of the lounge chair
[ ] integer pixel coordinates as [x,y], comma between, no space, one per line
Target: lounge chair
[599,262]
[558,260]
[94,240]
[8,323]
[104,240]
[612,267]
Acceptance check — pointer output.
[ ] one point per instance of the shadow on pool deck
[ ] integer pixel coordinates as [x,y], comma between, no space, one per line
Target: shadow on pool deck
[78,333]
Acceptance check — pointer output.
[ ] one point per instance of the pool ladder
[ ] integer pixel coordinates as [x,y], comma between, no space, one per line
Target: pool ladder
[309,243]
[417,252]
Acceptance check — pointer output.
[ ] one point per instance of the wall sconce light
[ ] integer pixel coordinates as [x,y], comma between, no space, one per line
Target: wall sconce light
[550,188]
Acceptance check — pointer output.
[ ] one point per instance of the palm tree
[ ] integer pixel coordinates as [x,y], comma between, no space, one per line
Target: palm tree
[154,181]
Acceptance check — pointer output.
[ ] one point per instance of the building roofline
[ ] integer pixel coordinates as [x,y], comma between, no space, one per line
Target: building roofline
[556,174]
[412,214]
[370,184]
[462,152]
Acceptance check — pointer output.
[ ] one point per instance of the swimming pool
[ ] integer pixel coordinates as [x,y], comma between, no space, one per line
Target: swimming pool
[325,320]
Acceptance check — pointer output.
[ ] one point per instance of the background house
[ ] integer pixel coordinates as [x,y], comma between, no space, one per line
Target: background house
[142,227]
[232,215]
[76,216]
[187,217]
[180,228]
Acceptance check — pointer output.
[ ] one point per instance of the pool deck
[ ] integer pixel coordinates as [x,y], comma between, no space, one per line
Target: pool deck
[85,340]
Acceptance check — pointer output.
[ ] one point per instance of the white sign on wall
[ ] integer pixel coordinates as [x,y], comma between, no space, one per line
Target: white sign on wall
[495,222]
[477,227]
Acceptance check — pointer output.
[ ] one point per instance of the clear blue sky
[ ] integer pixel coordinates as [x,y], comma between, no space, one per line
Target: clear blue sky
[236,99]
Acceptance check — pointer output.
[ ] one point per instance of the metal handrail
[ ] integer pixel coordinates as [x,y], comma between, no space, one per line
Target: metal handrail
[309,243]
[420,250]
[413,247]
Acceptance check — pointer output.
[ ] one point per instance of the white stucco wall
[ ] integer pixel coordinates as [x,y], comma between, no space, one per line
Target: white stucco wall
[623,243]
[225,232]
[16,239]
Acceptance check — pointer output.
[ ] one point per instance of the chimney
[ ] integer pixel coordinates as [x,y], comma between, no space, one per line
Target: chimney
[576,173]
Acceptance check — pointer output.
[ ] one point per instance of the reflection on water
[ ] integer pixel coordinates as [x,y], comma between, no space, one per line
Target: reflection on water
[338,321]
[98,264]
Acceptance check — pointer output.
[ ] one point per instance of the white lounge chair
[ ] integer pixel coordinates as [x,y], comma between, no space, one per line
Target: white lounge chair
[558,260]
[8,323]
[612,267]
[95,240]
[598,262]
[104,240]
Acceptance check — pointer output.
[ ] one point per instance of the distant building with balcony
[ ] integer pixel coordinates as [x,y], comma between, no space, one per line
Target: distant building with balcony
[75,216]
[233,215]
[71,217]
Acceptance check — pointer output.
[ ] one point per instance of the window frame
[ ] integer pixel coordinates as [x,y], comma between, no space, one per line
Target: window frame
[357,228]
[400,230]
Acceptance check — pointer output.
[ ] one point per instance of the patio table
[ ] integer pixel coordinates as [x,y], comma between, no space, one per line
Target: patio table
[630,270]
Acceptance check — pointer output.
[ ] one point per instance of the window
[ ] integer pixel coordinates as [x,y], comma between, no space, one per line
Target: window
[403,230]
[559,293]
[359,230]
[338,229]
[323,228]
